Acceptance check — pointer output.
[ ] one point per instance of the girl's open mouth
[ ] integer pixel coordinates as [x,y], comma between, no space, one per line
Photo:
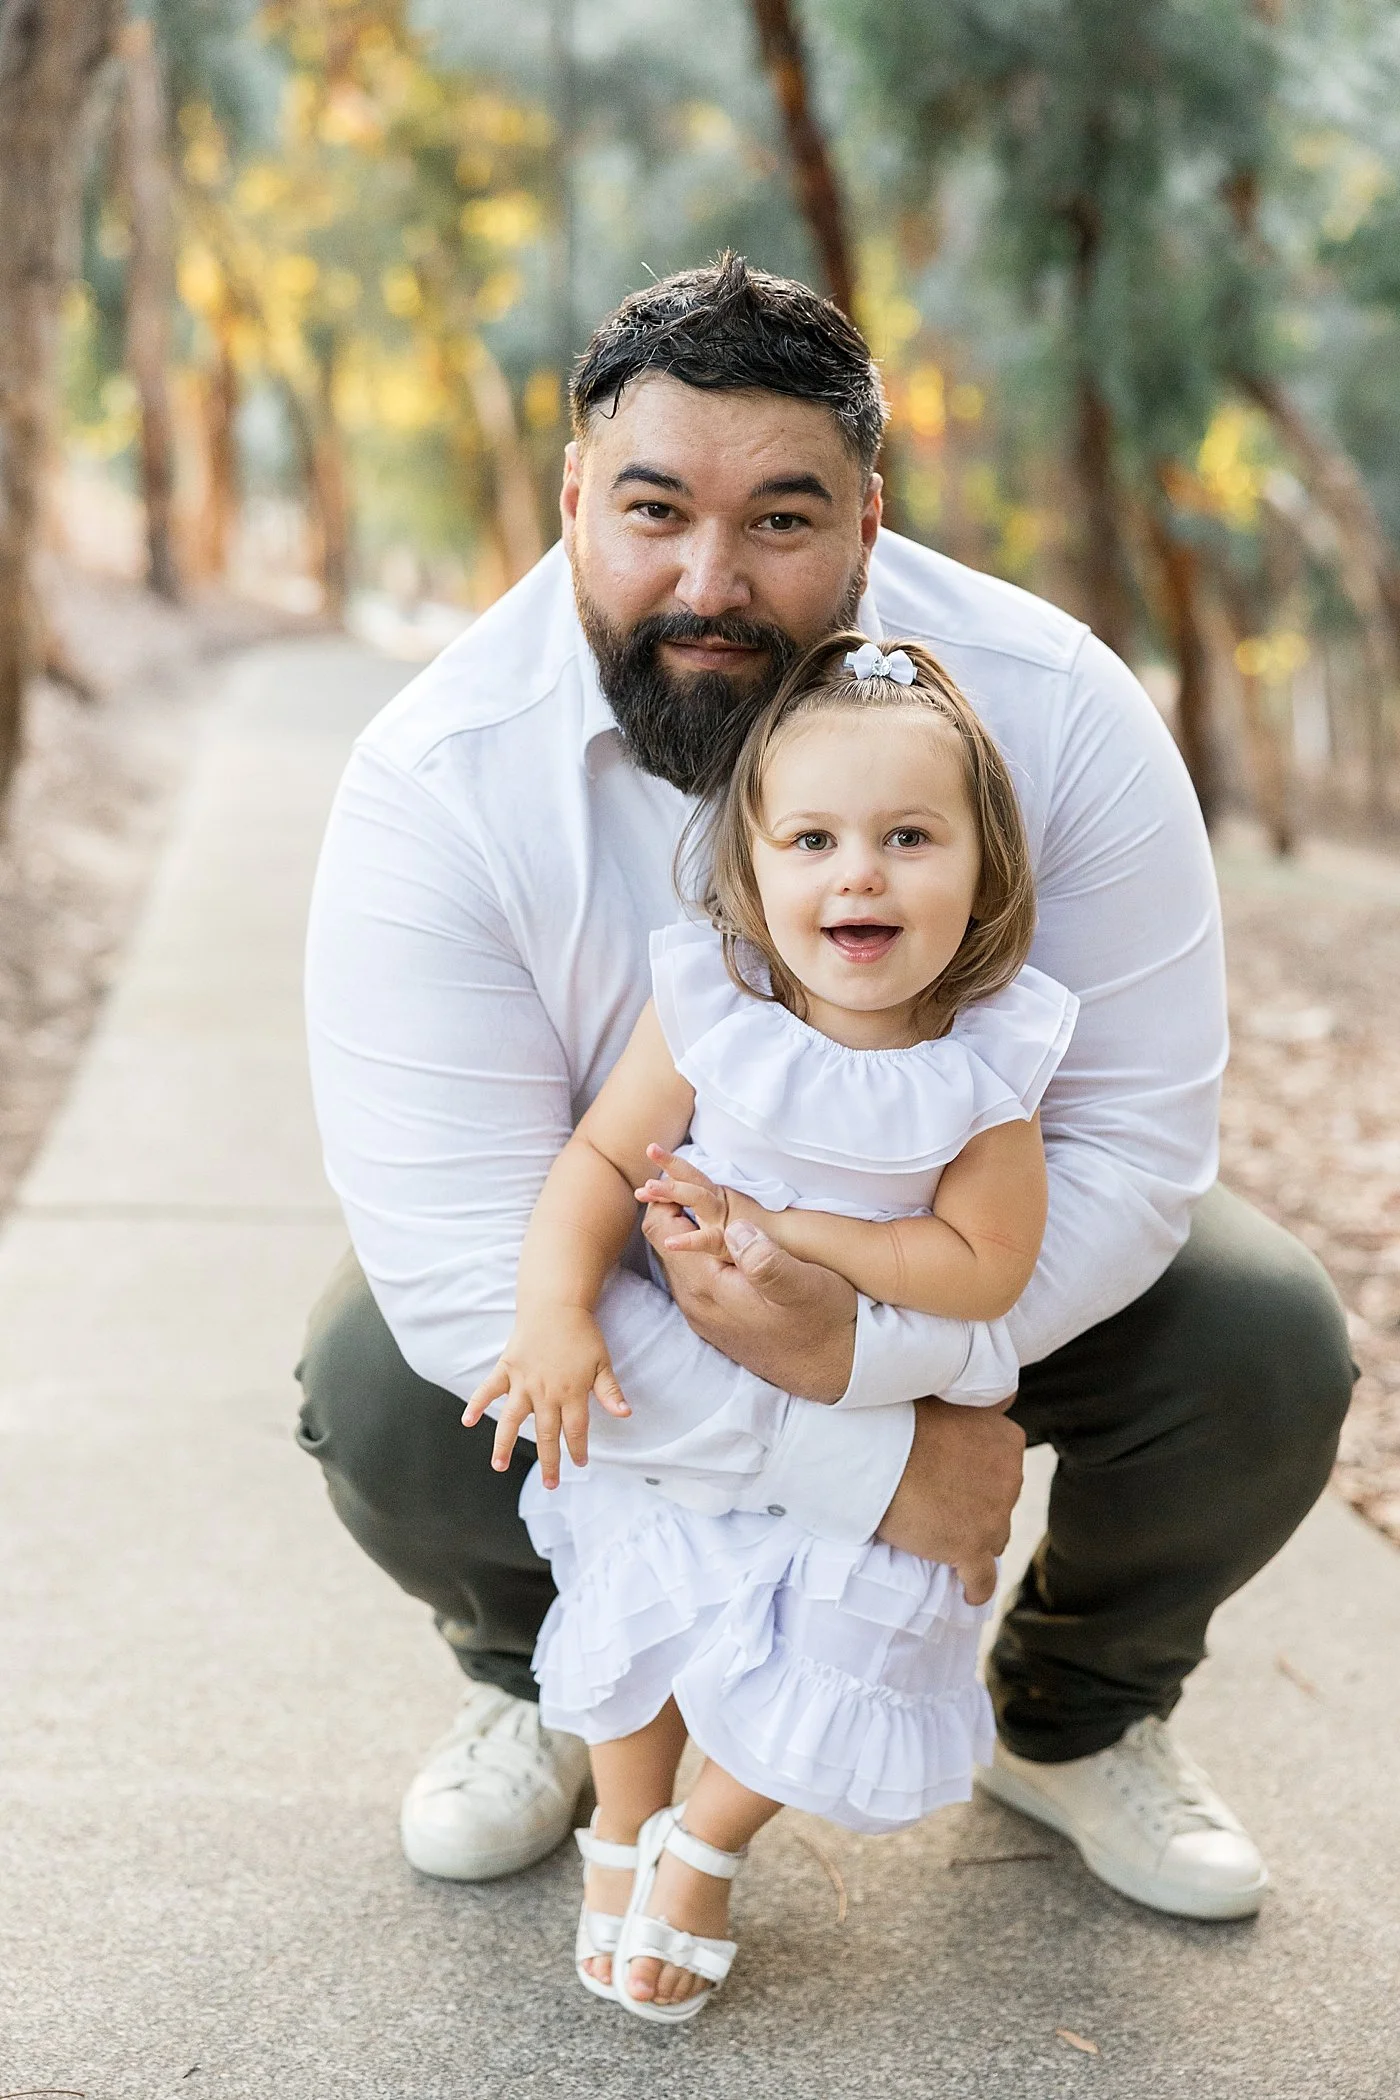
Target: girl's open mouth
[862,943]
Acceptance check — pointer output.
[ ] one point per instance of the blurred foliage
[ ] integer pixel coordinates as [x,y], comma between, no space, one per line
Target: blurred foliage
[1094,243]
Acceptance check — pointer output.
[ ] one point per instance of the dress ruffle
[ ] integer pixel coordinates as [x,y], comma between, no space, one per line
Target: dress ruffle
[836,1679]
[877,1110]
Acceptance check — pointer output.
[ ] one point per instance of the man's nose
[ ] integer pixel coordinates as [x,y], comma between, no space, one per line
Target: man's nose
[712,579]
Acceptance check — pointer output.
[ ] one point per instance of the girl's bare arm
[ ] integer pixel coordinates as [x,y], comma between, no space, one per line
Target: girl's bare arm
[970,1261]
[580,1226]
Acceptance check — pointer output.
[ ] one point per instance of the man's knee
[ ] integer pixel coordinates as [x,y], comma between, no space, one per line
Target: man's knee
[369,1419]
[1269,1330]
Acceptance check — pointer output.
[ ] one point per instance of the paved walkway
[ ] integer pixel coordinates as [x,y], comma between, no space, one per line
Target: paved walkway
[211,1702]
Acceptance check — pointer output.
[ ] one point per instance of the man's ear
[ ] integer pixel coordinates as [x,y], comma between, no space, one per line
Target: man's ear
[569,495]
[871,511]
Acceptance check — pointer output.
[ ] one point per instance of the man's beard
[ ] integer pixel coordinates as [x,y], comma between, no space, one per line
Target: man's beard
[689,729]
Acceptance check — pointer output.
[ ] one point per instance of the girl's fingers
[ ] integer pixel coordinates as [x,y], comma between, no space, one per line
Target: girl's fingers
[576,1434]
[547,1444]
[701,1239]
[609,1393]
[680,1169]
[507,1430]
[493,1388]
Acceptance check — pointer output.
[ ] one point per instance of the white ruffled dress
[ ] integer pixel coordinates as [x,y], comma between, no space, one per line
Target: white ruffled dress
[834,1678]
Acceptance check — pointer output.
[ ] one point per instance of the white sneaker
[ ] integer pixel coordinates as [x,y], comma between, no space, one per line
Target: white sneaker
[497,1793]
[1146,1820]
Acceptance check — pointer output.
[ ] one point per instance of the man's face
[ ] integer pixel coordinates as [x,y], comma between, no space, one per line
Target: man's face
[712,537]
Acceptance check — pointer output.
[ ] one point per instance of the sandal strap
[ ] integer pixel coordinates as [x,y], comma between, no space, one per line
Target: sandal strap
[706,1859]
[653,1937]
[600,1853]
[601,1930]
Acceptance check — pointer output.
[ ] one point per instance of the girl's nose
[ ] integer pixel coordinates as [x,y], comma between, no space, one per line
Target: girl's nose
[860,873]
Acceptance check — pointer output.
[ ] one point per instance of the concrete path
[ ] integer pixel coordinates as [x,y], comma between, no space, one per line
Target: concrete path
[211,1702]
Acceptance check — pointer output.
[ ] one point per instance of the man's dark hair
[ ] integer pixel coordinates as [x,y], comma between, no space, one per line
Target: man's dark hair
[729,327]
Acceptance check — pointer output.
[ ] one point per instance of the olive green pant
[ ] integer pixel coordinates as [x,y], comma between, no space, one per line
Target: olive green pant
[1194,1431]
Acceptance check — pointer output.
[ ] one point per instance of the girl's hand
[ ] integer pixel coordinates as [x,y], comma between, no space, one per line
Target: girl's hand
[683,1186]
[548,1370]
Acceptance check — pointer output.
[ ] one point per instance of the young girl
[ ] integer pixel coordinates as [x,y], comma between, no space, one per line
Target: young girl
[857,1054]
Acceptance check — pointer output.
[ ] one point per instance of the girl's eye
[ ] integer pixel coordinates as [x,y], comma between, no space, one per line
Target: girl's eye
[812,841]
[908,835]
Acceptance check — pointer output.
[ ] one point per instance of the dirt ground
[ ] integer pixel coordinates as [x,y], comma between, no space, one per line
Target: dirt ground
[1309,1130]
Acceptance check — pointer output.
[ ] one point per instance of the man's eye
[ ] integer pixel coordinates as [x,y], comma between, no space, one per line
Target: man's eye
[655,513]
[812,841]
[908,835]
[784,521]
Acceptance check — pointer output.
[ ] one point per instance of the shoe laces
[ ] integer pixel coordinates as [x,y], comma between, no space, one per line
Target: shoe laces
[1158,1783]
[495,1740]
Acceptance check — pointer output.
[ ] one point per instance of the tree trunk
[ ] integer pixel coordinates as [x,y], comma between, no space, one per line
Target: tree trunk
[1102,565]
[50,53]
[321,453]
[219,415]
[1366,564]
[1178,567]
[517,518]
[818,190]
[150,278]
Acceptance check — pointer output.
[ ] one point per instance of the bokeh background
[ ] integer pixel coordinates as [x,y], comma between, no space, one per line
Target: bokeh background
[289,290]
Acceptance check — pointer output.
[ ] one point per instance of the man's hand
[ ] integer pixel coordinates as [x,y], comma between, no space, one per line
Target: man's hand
[958,1490]
[785,1320]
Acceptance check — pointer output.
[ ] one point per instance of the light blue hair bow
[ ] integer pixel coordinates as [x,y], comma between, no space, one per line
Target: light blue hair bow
[870,662]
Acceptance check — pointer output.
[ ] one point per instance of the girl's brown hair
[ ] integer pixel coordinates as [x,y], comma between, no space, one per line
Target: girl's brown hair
[718,840]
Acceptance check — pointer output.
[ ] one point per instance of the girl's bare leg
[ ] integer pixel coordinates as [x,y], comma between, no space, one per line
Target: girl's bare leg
[723,1813]
[632,1778]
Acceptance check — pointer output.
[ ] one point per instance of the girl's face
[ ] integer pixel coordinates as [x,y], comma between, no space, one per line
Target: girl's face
[870,868]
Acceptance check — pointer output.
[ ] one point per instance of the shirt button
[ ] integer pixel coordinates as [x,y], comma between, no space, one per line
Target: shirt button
[775,1509]
[652,1481]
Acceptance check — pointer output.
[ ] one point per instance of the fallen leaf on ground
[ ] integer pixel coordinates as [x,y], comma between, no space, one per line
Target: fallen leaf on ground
[1077,2041]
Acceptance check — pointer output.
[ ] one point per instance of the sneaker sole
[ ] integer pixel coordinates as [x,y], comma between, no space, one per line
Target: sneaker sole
[444,1863]
[1128,1881]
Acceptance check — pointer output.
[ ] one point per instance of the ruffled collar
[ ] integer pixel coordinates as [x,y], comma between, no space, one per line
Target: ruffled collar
[881,1110]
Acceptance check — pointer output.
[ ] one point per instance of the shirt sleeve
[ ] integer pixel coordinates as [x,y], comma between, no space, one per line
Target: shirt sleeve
[1129,919]
[444,1095]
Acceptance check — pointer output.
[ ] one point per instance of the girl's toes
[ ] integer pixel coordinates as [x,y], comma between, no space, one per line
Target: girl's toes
[600,1968]
[641,1977]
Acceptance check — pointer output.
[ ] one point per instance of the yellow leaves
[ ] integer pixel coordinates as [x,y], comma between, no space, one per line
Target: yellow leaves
[262,189]
[494,120]
[706,127]
[200,279]
[510,220]
[1231,476]
[400,391]
[925,404]
[1272,657]
[499,293]
[540,401]
[294,276]
[349,118]
[966,402]
[1357,178]
[401,292]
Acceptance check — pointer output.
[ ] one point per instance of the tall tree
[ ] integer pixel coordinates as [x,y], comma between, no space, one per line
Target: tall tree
[784,56]
[150,286]
[50,55]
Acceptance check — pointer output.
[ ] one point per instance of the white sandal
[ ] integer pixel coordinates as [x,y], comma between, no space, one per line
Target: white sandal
[599,1930]
[644,1938]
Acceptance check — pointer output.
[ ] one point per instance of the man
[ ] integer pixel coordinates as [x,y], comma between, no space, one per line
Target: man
[499,851]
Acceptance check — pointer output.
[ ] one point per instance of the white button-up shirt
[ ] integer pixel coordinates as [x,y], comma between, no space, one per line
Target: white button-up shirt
[493,867]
